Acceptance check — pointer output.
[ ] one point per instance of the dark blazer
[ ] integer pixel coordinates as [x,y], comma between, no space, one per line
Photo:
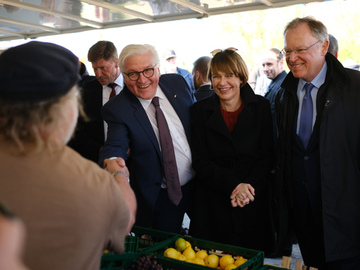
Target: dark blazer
[203,92]
[222,160]
[89,135]
[130,128]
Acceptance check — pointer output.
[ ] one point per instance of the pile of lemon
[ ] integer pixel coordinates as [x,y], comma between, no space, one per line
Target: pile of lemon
[183,251]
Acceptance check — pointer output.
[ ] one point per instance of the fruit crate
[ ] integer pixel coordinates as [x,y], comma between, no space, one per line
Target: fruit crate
[151,240]
[255,258]
[272,267]
[141,241]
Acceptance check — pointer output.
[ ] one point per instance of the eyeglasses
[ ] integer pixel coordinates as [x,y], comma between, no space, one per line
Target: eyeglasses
[135,75]
[298,51]
[229,51]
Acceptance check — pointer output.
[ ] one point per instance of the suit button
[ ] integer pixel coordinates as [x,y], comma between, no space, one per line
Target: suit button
[306,158]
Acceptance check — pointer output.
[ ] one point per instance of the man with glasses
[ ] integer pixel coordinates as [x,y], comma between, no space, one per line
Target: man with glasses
[134,132]
[319,138]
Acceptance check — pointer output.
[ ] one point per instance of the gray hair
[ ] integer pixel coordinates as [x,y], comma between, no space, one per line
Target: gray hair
[317,28]
[333,45]
[135,49]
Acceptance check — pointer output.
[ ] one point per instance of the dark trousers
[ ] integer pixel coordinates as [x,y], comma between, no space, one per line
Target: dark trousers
[310,238]
[169,217]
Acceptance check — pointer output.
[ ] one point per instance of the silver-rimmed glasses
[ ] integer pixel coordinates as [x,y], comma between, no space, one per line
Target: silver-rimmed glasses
[287,52]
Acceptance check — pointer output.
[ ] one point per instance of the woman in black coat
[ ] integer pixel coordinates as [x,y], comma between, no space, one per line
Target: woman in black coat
[232,150]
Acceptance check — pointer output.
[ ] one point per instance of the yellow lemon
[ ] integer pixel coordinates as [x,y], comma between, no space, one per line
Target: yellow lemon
[199,261]
[230,266]
[212,261]
[181,257]
[189,260]
[202,254]
[180,244]
[171,253]
[188,244]
[240,261]
[226,260]
[189,253]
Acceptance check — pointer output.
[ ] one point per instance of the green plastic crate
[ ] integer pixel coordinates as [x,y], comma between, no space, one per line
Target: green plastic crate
[137,245]
[157,242]
[118,262]
[255,258]
[151,240]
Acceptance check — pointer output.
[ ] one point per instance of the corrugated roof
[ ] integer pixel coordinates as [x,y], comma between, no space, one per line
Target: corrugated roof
[23,19]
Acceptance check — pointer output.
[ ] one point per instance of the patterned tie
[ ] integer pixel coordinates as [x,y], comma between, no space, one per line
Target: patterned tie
[113,92]
[168,153]
[306,117]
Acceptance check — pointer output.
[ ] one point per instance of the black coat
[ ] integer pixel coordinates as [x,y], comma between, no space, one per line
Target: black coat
[222,160]
[89,135]
[203,92]
[333,158]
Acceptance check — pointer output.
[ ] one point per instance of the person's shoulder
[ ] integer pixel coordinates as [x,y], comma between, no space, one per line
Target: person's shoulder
[170,76]
[172,80]
[183,71]
[206,102]
[89,81]
[84,171]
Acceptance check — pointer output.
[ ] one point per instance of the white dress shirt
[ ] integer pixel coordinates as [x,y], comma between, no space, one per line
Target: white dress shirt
[181,145]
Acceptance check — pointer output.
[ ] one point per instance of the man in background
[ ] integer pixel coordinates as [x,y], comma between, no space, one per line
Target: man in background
[333,46]
[273,67]
[90,133]
[200,78]
[172,67]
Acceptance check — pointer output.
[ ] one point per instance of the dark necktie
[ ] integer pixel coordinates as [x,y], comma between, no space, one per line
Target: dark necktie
[168,153]
[113,92]
[306,117]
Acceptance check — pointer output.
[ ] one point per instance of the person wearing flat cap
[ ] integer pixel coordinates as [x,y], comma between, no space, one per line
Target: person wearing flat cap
[72,209]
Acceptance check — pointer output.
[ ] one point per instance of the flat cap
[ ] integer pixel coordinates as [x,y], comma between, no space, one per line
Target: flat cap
[37,71]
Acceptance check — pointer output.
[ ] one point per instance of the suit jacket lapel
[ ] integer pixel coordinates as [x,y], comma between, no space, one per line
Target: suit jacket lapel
[174,95]
[143,119]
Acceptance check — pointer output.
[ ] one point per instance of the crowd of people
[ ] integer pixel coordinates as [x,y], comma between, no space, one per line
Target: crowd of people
[84,158]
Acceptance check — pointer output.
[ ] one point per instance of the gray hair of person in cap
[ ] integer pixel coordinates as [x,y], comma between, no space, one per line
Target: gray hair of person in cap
[135,49]
[38,96]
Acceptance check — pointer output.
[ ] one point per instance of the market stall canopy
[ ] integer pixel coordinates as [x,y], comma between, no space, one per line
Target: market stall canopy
[23,19]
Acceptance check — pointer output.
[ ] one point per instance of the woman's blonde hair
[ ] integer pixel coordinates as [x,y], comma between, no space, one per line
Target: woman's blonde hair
[23,125]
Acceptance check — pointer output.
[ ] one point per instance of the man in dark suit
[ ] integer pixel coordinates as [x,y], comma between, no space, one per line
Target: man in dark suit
[200,78]
[319,138]
[273,67]
[90,134]
[133,132]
